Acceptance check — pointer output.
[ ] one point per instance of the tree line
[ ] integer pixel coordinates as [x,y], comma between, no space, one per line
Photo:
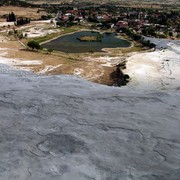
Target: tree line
[137,37]
[11,17]
[18,21]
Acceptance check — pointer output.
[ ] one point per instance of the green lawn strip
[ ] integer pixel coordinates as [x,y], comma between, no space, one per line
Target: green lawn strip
[54,35]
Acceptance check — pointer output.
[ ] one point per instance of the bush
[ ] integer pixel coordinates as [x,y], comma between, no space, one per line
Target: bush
[11,17]
[162,36]
[136,37]
[50,51]
[10,32]
[152,45]
[33,45]
[170,34]
[22,21]
[126,76]
[21,36]
[60,24]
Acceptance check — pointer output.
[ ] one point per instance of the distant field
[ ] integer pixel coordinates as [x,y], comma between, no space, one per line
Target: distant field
[94,1]
[21,11]
[156,4]
[48,1]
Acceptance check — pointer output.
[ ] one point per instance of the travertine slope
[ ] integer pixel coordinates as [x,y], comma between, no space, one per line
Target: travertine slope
[65,128]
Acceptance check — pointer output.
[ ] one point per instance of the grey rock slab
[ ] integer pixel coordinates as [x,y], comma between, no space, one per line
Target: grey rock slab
[64,128]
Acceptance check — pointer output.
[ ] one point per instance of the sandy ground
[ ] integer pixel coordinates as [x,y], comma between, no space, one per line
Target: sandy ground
[46,64]
[52,2]
[13,53]
[22,12]
[38,32]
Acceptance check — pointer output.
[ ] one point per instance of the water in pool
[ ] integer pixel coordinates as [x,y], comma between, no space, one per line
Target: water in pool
[70,44]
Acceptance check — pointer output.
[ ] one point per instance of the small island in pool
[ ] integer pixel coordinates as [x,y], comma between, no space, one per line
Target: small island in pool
[86,41]
[90,38]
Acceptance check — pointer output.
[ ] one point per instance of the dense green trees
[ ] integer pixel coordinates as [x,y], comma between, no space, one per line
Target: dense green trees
[34,45]
[139,38]
[21,21]
[11,17]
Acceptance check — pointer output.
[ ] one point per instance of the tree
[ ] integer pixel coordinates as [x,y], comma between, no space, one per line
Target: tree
[11,17]
[151,31]
[136,37]
[22,21]
[34,45]
[50,51]
[145,32]
[170,34]
[21,36]
[152,45]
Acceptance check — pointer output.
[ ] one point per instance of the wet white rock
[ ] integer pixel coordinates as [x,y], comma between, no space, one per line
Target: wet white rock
[64,128]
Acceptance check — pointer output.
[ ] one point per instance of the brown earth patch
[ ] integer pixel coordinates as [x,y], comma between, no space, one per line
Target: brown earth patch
[21,12]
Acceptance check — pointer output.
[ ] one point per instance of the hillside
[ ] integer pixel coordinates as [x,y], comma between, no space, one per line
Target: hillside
[24,3]
[63,127]
[107,1]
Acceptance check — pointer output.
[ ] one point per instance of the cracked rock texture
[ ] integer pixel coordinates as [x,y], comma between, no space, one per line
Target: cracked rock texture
[65,128]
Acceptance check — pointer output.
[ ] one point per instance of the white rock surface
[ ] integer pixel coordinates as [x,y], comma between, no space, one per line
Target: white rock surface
[65,128]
